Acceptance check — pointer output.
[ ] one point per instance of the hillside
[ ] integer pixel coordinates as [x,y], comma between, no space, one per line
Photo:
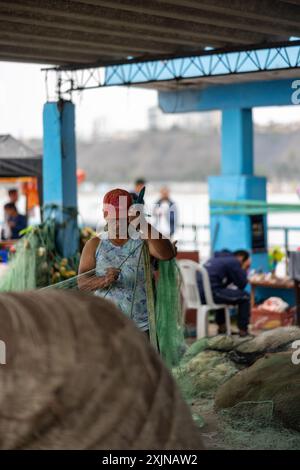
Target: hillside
[180,154]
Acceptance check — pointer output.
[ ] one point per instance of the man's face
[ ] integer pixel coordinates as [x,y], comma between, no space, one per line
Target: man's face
[164,193]
[117,227]
[13,196]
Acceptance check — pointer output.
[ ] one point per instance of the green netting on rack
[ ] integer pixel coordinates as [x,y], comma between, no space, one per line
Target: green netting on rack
[36,262]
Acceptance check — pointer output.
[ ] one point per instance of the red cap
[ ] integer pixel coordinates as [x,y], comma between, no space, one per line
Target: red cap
[116,203]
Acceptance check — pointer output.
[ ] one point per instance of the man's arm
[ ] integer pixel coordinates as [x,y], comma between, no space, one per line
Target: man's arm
[159,246]
[237,275]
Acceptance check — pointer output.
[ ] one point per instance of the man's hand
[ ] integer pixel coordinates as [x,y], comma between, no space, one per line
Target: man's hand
[111,276]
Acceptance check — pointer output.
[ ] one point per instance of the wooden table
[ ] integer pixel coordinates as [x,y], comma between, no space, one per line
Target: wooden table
[276,283]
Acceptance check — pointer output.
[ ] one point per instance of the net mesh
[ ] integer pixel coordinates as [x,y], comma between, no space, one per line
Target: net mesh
[169,314]
[205,369]
[242,406]
[37,264]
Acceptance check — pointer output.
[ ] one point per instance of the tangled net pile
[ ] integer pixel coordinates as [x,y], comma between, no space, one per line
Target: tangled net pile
[249,387]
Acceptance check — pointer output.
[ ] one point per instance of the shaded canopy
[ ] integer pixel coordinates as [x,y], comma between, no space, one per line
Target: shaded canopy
[81,32]
[16,159]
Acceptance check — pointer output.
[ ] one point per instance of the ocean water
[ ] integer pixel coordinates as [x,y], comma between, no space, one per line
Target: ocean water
[192,203]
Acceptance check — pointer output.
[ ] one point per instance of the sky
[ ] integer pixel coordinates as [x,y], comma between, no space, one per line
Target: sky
[117,109]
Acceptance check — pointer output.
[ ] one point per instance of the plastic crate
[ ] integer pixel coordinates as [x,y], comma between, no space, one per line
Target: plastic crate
[262,319]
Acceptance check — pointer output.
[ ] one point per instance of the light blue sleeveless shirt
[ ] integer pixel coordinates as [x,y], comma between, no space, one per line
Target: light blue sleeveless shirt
[129,291]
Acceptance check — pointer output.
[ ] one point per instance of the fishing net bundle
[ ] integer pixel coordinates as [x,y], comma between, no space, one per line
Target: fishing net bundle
[36,262]
[80,376]
[255,401]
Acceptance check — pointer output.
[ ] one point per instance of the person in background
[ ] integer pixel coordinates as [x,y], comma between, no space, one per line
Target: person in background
[14,222]
[13,195]
[165,213]
[228,278]
[139,184]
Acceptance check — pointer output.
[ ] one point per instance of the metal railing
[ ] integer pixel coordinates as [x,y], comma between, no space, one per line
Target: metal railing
[197,237]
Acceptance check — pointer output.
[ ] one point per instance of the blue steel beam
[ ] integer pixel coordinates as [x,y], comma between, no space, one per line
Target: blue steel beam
[211,63]
[236,95]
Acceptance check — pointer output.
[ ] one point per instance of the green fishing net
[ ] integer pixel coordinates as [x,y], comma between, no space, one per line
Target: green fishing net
[36,262]
[243,405]
[169,320]
[163,305]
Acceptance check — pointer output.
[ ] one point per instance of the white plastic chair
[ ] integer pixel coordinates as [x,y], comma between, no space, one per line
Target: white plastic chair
[191,296]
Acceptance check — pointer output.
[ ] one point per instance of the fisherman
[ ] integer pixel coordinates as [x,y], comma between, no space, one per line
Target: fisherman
[228,278]
[117,256]
[14,222]
[13,195]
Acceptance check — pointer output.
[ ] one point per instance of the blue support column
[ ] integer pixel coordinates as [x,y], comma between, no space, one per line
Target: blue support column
[237,142]
[59,171]
[237,182]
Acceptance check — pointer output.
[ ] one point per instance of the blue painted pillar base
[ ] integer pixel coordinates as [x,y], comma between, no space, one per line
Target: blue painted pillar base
[59,171]
[233,232]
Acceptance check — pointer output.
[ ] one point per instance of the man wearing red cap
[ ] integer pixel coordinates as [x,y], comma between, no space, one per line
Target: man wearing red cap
[116,256]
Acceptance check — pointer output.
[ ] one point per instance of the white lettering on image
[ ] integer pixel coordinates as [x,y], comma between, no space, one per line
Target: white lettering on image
[296,354]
